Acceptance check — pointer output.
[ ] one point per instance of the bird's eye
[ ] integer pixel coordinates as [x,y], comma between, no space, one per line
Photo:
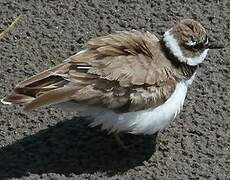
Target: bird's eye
[197,46]
[193,45]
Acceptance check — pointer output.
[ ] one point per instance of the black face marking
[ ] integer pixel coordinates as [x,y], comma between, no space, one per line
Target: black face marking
[197,45]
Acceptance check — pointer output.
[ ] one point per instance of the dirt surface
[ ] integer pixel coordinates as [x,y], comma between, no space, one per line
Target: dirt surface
[49,144]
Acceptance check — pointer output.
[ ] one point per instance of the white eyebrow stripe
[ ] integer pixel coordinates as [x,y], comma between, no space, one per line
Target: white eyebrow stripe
[191,43]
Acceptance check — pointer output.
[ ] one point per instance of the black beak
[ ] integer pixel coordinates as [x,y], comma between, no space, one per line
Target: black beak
[215,46]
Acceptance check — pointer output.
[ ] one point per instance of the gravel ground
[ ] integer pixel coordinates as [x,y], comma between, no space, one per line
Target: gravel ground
[50,144]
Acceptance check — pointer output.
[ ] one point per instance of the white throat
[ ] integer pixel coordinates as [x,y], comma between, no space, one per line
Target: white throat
[174,47]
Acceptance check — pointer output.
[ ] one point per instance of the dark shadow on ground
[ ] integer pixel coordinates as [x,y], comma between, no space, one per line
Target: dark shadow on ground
[73,147]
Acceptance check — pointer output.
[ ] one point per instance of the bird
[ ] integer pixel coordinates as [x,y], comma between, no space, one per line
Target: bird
[126,82]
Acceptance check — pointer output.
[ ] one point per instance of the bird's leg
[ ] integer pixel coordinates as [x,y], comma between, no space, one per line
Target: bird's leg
[156,137]
[120,142]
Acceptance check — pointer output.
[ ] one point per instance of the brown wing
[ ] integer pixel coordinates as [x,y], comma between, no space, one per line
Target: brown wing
[122,70]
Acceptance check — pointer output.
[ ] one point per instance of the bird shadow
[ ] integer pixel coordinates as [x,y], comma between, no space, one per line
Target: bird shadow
[72,147]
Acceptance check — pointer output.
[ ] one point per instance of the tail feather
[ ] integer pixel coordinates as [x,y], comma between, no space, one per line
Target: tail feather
[51,97]
[17,99]
[37,90]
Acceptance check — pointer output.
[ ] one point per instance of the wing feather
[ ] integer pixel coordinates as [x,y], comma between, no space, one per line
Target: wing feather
[124,70]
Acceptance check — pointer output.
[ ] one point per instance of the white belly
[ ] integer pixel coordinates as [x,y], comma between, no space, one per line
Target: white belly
[152,120]
[147,121]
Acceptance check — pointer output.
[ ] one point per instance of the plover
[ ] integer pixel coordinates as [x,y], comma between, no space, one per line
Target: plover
[128,81]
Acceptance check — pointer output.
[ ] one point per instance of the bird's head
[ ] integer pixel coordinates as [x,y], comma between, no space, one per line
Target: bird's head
[188,42]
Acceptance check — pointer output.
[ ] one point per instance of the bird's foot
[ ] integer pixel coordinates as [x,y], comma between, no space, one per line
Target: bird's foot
[135,144]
